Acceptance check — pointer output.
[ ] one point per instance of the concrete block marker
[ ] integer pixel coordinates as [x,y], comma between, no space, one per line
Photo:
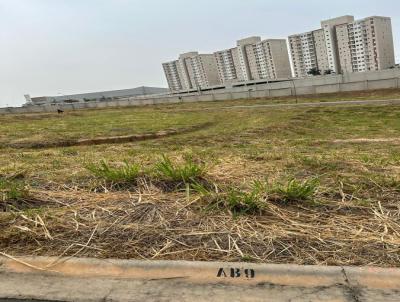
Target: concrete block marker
[55,279]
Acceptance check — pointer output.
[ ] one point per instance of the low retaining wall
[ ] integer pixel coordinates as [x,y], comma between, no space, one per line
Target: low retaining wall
[387,79]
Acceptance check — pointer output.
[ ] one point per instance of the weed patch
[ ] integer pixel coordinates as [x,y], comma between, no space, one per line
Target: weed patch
[125,174]
[11,189]
[245,202]
[13,194]
[179,174]
[255,199]
[295,191]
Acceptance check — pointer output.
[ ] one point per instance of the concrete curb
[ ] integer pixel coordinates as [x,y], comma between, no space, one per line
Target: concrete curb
[79,279]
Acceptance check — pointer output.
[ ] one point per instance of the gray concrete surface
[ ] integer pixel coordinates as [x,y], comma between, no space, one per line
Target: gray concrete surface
[51,279]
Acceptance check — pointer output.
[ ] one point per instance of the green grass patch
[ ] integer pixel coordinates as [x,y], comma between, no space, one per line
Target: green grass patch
[246,202]
[256,198]
[236,200]
[12,190]
[126,173]
[187,172]
[296,191]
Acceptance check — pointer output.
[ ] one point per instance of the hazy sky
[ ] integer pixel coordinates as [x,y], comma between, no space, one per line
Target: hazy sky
[51,47]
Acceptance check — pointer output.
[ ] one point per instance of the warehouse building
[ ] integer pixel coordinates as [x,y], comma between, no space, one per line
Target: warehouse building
[96,96]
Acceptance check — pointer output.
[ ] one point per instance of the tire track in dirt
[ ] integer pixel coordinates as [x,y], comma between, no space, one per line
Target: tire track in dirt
[107,140]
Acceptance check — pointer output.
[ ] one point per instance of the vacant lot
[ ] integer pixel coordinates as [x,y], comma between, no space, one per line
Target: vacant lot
[300,185]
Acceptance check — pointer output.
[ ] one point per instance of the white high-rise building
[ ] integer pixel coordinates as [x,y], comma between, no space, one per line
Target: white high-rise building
[303,51]
[344,45]
[192,71]
[308,51]
[183,70]
[329,28]
[316,49]
[203,71]
[246,57]
[254,59]
[172,75]
[271,60]
[366,44]
[227,62]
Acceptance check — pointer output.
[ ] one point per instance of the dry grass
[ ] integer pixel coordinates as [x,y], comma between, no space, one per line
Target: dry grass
[152,225]
[354,218]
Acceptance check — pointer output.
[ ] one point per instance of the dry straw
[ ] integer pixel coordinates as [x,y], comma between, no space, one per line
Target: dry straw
[150,224]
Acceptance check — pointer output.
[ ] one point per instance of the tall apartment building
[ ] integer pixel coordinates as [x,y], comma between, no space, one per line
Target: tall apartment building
[254,59]
[275,59]
[344,45]
[329,28]
[192,71]
[183,70]
[227,63]
[203,71]
[269,59]
[308,51]
[177,72]
[366,44]
[246,57]
[172,75]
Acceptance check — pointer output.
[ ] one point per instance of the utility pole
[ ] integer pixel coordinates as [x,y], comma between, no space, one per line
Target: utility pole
[295,91]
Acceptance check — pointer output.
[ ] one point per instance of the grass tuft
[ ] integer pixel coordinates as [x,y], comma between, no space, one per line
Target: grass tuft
[123,174]
[12,190]
[237,201]
[187,172]
[295,191]
[255,199]
[242,202]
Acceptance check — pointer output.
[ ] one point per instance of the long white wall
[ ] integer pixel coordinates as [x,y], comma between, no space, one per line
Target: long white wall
[316,85]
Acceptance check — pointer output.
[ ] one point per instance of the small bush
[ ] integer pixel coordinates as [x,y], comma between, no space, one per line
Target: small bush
[295,190]
[238,201]
[11,189]
[124,174]
[187,172]
[257,197]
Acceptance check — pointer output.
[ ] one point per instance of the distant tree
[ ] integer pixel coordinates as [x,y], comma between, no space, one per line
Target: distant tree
[314,71]
[328,71]
[70,101]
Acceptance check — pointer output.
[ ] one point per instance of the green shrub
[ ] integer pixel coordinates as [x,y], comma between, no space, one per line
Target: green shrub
[187,172]
[124,174]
